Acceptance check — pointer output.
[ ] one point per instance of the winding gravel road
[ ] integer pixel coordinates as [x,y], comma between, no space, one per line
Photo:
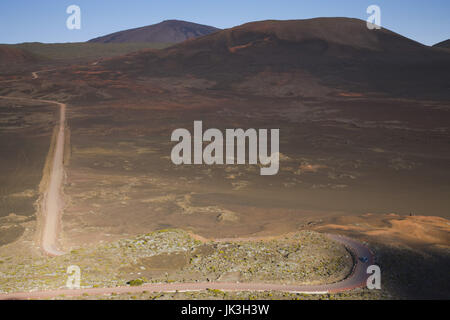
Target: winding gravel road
[52,206]
[356,279]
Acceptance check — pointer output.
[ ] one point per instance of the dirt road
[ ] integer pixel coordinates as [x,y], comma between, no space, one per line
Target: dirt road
[51,209]
[356,279]
[52,203]
[52,200]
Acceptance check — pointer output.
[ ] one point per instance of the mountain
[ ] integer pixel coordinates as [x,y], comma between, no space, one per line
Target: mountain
[169,31]
[443,44]
[338,52]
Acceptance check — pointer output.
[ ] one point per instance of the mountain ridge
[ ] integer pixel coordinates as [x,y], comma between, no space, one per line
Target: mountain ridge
[337,51]
[167,31]
[443,44]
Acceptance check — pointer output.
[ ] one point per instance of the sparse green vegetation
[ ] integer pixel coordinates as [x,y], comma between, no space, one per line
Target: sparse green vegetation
[136,282]
[174,256]
[360,294]
[305,257]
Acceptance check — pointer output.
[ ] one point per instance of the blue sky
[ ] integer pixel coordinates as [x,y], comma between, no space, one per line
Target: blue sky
[45,20]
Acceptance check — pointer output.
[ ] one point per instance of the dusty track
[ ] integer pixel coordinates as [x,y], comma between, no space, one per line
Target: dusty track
[51,209]
[52,201]
[356,279]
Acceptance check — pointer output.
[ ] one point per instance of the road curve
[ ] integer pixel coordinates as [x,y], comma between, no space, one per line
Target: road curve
[356,279]
[52,207]
[52,200]
[35,74]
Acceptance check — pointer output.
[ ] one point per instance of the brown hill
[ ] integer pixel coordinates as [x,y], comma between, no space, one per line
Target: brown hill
[14,56]
[443,44]
[169,31]
[340,52]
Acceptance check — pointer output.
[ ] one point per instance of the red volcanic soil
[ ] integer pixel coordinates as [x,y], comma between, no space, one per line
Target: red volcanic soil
[340,52]
[338,31]
[10,55]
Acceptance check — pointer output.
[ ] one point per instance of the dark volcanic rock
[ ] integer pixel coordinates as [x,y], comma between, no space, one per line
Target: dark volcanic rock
[443,44]
[169,31]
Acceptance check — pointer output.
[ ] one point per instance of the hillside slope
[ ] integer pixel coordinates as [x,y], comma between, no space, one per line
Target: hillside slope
[15,56]
[443,44]
[340,52]
[169,31]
